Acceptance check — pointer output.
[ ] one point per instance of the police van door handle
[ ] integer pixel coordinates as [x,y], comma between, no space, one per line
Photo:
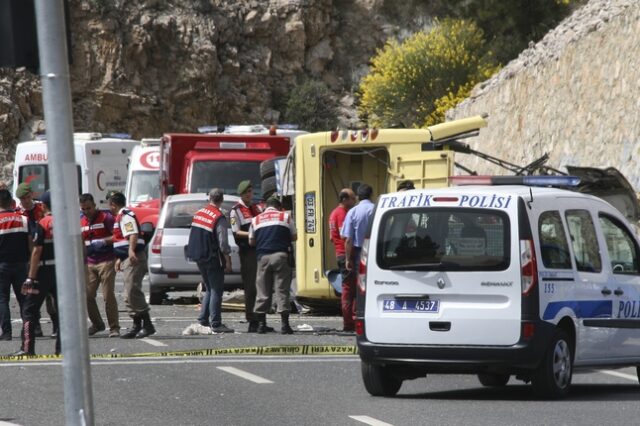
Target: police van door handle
[606,291]
[618,291]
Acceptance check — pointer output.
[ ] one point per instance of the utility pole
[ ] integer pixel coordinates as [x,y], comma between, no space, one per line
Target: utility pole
[56,95]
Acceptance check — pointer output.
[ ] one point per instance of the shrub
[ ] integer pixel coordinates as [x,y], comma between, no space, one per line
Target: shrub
[312,107]
[409,81]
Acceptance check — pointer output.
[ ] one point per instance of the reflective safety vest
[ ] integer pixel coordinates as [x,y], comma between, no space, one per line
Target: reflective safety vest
[44,237]
[97,229]
[203,240]
[14,237]
[120,242]
[241,220]
[33,215]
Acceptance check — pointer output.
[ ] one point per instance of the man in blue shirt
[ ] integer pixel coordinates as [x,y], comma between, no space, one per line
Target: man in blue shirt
[354,231]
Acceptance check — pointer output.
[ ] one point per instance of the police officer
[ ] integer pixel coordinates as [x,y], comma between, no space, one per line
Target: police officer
[97,227]
[14,258]
[33,210]
[241,215]
[272,232]
[208,246]
[41,279]
[131,259]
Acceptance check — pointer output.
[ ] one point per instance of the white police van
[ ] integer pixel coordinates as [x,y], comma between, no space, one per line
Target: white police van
[498,281]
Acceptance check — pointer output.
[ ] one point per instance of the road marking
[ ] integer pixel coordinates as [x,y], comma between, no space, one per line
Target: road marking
[370,421]
[153,342]
[245,375]
[619,374]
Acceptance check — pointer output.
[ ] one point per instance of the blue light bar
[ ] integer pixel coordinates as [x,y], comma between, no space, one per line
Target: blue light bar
[117,135]
[536,180]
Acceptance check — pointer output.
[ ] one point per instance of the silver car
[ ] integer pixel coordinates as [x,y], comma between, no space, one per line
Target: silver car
[169,269]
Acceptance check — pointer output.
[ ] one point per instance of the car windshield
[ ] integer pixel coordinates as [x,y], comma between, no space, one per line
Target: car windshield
[180,213]
[226,175]
[145,186]
[444,240]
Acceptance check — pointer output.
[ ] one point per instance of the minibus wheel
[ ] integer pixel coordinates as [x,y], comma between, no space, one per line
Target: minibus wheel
[378,381]
[552,378]
[493,379]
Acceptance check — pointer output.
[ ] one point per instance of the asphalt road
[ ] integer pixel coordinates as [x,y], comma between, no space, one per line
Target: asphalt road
[283,390]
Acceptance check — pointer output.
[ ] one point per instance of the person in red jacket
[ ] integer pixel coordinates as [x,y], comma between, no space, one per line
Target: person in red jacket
[97,227]
[346,199]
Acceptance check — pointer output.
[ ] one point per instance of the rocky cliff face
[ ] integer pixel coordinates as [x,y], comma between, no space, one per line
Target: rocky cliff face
[147,67]
[574,95]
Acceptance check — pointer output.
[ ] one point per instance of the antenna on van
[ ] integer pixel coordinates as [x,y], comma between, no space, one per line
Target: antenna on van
[531,198]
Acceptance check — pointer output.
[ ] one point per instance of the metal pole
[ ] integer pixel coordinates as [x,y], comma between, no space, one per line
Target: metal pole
[56,95]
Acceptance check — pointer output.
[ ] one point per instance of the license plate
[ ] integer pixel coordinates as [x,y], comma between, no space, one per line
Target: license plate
[410,305]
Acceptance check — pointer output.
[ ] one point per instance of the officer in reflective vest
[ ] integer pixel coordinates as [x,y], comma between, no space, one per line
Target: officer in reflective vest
[208,246]
[131,259]
[14,258]
[34,211]
[241,215]
[41,279]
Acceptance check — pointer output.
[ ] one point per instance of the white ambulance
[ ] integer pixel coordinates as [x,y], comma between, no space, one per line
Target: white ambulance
[498,281]
[143,180]
[101,162]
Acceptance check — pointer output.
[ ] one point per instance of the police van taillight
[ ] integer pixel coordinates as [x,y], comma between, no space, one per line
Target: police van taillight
[156,244]
[529,267]
[362,268]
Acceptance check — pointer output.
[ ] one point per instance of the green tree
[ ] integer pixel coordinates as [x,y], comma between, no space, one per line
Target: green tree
[312,107]
[510,25]
[408,78]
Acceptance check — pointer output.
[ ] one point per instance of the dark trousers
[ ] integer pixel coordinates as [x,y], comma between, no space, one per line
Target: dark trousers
[213,281]
[11,275]
[31,308]
[348,295]
[248,271]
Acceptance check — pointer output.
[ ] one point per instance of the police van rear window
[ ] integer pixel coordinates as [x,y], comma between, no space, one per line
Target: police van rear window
[444,239]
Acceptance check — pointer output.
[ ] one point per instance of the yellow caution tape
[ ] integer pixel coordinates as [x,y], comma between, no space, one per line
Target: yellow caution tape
[251,350]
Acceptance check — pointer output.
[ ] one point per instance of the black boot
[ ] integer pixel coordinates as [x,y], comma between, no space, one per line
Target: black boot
[262,323]
[133,331]
[253,326]
[286,328]
[147,327]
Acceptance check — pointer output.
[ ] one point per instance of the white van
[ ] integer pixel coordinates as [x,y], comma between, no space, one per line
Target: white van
[498,281]
[143,180]
[101,164]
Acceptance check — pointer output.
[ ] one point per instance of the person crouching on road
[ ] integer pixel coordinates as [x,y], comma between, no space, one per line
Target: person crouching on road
[41,280]
[209,247]
[272,232]
[97,227]
[131,259]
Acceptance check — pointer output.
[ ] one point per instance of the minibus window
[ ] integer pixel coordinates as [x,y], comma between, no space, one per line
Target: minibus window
[444,240]
[584,241]
[623,252]
[553,241]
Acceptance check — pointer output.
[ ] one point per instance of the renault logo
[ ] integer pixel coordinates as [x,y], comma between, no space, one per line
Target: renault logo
[440,283]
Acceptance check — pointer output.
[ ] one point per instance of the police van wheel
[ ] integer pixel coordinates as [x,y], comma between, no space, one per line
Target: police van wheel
[378,381]
[493,380]
[552,378]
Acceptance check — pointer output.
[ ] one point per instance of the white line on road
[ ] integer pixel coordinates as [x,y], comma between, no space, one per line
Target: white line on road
[370,421]
[619,374]
[245,375]
[153,342]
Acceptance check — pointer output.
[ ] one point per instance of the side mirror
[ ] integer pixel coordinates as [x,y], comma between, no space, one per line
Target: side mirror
[171,189]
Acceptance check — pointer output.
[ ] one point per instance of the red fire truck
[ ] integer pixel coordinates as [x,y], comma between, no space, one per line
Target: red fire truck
[192,163]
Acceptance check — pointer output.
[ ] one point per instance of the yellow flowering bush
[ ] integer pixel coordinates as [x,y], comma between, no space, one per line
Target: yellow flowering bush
[410,83]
